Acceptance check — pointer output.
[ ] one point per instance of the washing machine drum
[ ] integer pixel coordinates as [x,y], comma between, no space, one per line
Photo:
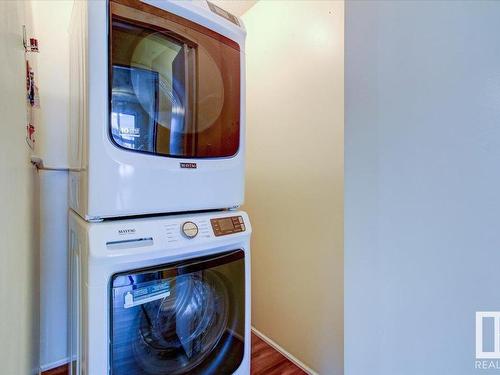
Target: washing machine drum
[175,334]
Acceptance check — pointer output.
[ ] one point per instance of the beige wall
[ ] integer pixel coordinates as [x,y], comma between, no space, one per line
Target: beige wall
[295,176]
[18,234]
[236,7]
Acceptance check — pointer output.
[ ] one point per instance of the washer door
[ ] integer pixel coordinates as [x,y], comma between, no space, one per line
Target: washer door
[182,318]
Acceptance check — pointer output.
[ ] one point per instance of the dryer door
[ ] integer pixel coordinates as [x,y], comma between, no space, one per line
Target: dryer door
[174,85]
[181,318]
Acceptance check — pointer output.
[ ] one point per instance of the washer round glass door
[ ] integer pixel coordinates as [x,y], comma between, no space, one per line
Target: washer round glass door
[184,318]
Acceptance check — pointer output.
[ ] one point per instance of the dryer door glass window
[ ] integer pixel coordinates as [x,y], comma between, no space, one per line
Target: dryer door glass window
[175,91]
[181,318]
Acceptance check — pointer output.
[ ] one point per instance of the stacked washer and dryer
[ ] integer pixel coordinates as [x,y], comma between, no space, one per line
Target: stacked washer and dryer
[159,254]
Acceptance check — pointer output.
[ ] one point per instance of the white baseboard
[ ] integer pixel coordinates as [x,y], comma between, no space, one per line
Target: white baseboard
[50,366]
[290,357]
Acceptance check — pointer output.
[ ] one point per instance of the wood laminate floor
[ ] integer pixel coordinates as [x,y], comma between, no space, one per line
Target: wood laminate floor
[62,370]
[265,361]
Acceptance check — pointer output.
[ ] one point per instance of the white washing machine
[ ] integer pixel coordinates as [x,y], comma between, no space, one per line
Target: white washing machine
[157,108]
[163,295]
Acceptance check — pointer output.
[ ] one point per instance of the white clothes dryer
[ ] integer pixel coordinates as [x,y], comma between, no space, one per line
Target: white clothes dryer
[157,108]
[163,295]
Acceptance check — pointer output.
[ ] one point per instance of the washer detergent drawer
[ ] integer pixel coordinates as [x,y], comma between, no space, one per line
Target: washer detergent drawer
[180,318]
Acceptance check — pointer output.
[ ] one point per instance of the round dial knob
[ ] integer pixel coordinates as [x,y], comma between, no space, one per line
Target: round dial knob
[190,229]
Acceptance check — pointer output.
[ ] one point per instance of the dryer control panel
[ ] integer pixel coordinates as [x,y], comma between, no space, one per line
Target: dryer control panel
[227,225]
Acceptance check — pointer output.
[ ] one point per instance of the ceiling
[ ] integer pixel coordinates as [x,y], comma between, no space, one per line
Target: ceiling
[236,7]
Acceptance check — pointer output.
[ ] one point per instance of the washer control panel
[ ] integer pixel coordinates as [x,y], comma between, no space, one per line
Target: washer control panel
[227,225]
[189,229]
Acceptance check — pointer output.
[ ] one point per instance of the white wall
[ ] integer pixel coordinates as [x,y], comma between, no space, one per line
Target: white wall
[53,268]
[422,183]
[295,176]
[18,201]
[51,23]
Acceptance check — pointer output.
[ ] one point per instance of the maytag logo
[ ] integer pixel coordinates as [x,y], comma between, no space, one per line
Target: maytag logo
[126,231]
[189,165]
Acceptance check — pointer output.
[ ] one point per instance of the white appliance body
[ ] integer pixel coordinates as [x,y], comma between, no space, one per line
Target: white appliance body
[108,180]
[100,251]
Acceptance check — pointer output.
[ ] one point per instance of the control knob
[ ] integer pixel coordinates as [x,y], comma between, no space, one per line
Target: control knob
[189,229]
